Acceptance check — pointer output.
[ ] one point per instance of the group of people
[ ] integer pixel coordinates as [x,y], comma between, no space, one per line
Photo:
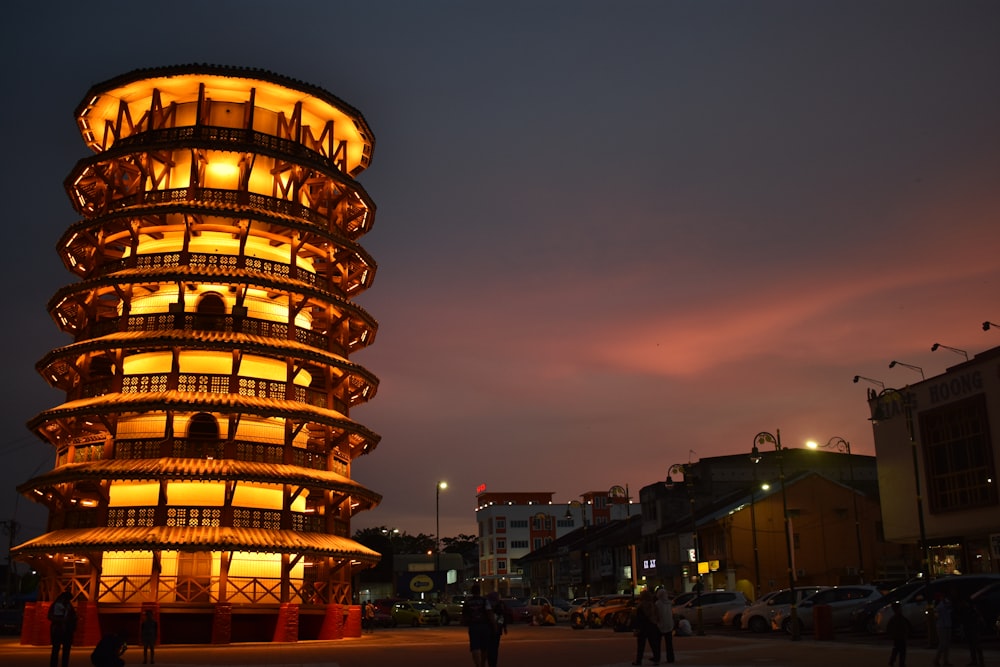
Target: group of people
[949,612]
[654,626]
[109,650]
[487,621]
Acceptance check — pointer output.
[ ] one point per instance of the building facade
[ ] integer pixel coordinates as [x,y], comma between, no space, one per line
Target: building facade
[204,448]
[720,523]
[513,524]
[937,443]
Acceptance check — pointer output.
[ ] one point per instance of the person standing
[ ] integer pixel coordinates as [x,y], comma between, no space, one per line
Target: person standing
[943,611]
[62,625]
[500,613]
[482,623]
[147,630]
[898,629]
[665,621]
[646,629]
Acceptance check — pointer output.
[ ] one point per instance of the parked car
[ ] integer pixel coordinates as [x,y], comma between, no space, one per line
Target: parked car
[713,605]
[383,613]
[842,600]
[757,617]
[601,611]
[986,604]
[863,618]
[415,613]
[451,610]
[914,603]
[540,608]
[517,610]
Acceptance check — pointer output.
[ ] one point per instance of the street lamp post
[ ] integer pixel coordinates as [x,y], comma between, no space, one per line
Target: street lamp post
[885,397]
[437,528]
[622,492]
[753,534]
[842,445]
[765,438]
[685,469]
[584,564]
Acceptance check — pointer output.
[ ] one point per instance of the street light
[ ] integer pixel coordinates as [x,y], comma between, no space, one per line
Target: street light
[842,445]
[584,564]
[437,514]
[987,324]
[894,363]
[935,346]
[684,469]
[880,384]
[765,438]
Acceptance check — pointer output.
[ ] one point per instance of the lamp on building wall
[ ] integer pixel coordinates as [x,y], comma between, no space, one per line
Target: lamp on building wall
[685,469]
[765,438]
[894,363]
[935,347]
[842,445]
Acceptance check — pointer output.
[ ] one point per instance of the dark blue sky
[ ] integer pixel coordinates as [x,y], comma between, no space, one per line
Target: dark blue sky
[608,234]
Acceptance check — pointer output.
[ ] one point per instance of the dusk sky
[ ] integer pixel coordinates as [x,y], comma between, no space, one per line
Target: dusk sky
[611,236]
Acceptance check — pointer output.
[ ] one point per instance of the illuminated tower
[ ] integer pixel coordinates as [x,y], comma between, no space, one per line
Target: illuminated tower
[204,450]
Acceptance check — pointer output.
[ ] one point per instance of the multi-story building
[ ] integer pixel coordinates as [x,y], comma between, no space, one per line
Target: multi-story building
[719,521]
[937,443]
[513,524]
[203,453]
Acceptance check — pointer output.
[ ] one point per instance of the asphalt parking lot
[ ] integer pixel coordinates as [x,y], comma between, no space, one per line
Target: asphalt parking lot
[524,646]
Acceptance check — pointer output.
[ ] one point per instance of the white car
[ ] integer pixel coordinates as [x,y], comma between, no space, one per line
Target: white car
[842,600]
[713,604]
[757,617]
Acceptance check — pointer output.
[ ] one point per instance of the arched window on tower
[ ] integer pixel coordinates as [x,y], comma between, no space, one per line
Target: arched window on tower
[203,437]
[211,313]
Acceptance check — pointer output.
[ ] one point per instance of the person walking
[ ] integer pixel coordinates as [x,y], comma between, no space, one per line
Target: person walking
[147,631]
[966,616]
[665,621]
[482,623]
[646,629]
[500,613]
[898,629]
[62,625]
[943,611]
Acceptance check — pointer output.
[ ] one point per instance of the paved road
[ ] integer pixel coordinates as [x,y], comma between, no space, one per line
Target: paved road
[525,646]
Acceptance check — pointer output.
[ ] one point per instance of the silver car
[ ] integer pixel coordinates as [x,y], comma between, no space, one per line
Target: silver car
[842,600]
[713,604]
[757,617]
[914,603]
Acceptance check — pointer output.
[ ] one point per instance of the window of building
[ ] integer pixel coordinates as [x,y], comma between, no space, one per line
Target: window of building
[958,455]
[541,522]
[518,523]
[538,543]
[519,544]
[501,545]
[501,524]
[501,565]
